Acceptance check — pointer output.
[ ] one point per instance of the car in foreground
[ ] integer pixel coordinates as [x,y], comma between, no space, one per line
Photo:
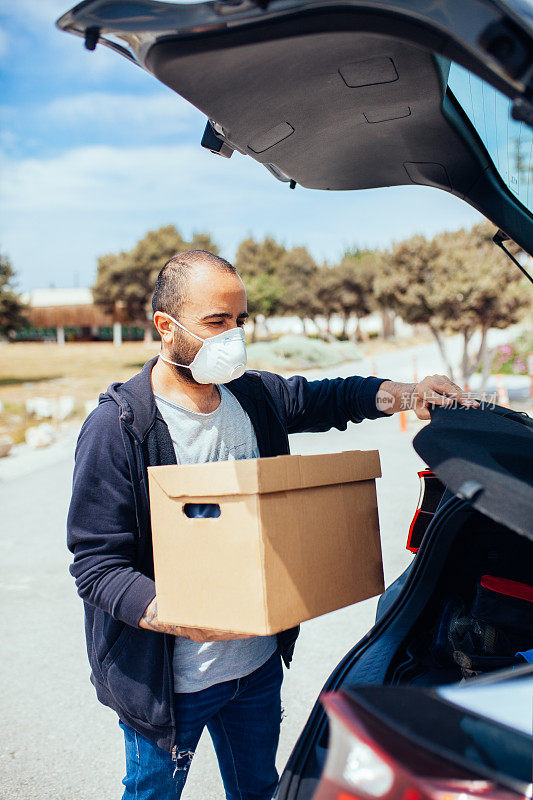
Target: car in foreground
[430,744]
[348,95]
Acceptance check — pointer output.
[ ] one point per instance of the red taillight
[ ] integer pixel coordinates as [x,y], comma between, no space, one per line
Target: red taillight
[472,790]
[465,789]
[358,767]
[431,491]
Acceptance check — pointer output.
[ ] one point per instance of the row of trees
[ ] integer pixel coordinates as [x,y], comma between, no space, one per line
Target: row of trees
[289,282]
[279,281]
[456,282]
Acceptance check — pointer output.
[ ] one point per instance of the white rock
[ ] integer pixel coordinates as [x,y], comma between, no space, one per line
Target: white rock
[41,407]
[40,436]
[6,443]
[65,407]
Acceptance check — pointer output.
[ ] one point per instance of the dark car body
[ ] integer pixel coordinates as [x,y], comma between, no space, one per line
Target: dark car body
[438,624]
[338,95]
[469,741]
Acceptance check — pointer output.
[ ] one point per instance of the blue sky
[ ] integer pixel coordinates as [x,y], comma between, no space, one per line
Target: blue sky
[94,152]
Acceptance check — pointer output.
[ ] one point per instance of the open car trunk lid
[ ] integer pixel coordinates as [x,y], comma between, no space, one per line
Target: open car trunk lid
[484,455]
[336,96]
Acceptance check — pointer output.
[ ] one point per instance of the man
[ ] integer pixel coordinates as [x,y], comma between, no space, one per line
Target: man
[194,403]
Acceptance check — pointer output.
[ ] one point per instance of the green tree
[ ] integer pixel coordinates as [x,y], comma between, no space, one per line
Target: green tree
[203,241]
[258,264]
[327,287]
[297,274]
[409,283]
[12,308]
[458,282]
[125,281]
[522,160]
[485,291]
[355,278]
[256,258]
[264,292]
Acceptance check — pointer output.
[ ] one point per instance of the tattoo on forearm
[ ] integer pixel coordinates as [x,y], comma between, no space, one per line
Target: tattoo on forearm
[150,619]
[150,615]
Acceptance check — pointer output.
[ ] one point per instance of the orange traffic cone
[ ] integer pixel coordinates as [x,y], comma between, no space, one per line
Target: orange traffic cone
[402,416]
[503,397]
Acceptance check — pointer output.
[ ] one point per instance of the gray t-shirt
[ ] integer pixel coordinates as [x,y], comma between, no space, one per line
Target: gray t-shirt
[225,434]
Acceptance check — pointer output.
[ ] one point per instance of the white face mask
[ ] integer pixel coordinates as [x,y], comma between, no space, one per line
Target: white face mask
[220,359]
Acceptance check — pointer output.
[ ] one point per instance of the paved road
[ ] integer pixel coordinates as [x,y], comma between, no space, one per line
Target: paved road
[56,741]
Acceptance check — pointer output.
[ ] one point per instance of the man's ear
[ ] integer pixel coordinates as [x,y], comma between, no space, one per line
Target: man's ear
[165,327]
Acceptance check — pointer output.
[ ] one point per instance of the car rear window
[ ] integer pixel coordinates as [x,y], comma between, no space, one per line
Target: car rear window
[509,143]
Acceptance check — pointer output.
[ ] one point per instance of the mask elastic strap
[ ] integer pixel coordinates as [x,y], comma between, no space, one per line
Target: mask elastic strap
[183,328]
[169,361]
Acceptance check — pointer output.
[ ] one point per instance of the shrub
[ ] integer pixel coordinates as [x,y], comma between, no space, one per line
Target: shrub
[299,352]
[511,359]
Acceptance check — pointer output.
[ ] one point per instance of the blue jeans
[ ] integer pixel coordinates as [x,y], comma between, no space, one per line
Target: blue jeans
[243,718]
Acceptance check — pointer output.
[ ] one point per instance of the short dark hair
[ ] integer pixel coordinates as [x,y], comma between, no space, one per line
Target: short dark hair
[172,282]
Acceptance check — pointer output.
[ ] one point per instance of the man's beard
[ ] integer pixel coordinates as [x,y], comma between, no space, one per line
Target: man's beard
[183,351]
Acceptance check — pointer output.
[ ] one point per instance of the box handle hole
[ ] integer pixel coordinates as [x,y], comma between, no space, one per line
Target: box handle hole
[201,510]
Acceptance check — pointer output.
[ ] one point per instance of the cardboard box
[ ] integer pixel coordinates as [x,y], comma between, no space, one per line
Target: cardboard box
[297,536]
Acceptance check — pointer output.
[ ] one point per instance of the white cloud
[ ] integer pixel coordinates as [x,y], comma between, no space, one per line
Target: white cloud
[168,111]
[115,179]
[58,214]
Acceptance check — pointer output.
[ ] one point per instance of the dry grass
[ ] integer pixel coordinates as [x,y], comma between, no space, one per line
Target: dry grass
[50,370]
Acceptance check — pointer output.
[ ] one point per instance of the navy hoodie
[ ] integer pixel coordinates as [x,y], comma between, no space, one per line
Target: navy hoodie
[108,528]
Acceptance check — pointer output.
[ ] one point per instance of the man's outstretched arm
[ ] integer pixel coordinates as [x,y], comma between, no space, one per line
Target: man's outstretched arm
[436,390]
[320,405]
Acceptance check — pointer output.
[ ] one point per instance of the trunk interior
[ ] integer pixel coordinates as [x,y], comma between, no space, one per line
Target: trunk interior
[469,627]
[446,623]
